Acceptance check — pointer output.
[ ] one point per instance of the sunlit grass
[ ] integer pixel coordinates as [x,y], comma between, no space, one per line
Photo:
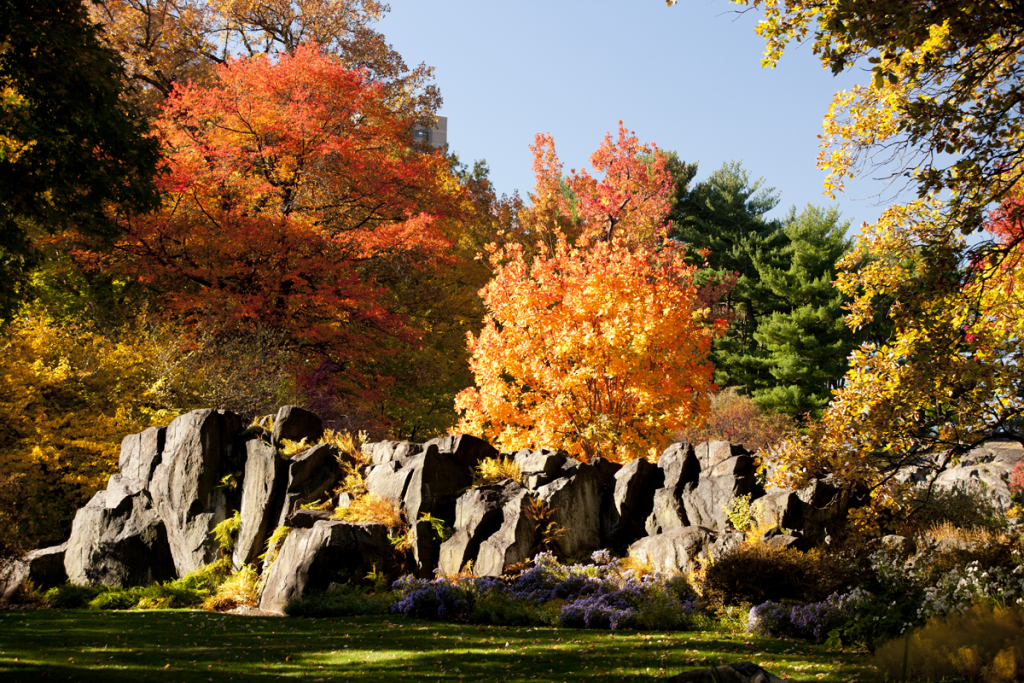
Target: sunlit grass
[204,646]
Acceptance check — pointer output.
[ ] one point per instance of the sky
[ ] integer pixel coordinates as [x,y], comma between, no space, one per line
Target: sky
[688,78]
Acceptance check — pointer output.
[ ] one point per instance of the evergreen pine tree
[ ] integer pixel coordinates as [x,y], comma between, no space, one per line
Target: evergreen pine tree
[808,344]
[723,220]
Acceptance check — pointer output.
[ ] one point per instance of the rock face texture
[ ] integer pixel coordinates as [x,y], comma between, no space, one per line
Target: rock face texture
[43,567]
[675,550]
[200,450]
[118,539]
[328,551]
[154,520]
[266,477]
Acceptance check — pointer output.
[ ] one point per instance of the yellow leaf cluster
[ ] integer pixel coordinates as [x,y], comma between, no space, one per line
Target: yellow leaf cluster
[68,396]
[947,377]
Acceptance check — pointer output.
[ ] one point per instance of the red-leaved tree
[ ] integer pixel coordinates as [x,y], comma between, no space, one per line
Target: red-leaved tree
[286,183]
[596,342]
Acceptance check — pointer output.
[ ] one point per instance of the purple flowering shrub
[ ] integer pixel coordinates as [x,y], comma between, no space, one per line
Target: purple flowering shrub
[437,599]
[601,595]
[813,621]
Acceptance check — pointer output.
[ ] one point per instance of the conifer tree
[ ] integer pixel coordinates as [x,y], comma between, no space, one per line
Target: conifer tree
[808,344]
[722,221]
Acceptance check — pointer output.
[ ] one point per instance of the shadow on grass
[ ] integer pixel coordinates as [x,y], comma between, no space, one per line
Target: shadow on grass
[200,646]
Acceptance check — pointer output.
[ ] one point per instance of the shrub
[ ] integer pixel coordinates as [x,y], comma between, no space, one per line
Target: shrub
[736,418]
[226,532]
[600,595]
[241,588]
[1016,482]
[372,507]
[983,644]
[274,544]
[437,599]
[813,621]
[70,596]
[341,601]
[757,572]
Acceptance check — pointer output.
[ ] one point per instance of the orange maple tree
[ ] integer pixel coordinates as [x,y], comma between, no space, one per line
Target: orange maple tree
[596,339]
[285,183]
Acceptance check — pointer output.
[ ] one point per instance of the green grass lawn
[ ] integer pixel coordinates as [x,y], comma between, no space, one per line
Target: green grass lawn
[56,645]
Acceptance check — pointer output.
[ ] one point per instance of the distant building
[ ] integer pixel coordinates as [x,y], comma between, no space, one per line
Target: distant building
[436,136]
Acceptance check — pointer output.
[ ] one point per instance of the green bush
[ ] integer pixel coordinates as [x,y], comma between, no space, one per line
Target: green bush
[756,573]
[342,601]
[188,591]
[70,596]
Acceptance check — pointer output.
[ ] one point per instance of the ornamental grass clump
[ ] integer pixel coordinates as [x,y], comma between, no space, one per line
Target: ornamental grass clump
[494,470]
[372,508]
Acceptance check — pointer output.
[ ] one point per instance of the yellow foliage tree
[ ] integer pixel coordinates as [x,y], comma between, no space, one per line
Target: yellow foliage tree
[946,380]
[597,346]
[68,396]
[942,112]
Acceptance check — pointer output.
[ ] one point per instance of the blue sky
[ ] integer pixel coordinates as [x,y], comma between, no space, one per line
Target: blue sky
[688,78]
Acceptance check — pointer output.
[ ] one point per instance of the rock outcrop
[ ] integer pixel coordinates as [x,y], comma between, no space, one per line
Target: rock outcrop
[188,488]
[154,520]
[311,559]
[43,567]
[118,539]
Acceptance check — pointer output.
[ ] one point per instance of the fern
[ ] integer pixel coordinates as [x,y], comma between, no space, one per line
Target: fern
[226,532]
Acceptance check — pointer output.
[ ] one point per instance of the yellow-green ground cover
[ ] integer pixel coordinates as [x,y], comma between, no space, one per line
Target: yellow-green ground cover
[61,645]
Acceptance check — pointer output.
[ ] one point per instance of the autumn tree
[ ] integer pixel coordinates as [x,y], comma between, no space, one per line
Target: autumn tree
[70,393]
[287,183]
[72,152]
[941,112]
[168,42]
[597,342]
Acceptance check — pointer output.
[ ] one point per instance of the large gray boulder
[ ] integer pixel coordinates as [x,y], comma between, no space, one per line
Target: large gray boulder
[707,501]
[478,515]
[140,454]
[464,449]
[201,448]
[986,480]
[741,672]
[311,476]
[628,502]
[429,482]
[265,481]
[679,467]
[118,539]
[380,452]
[574,502]
[43,567]
[295,424]
[311,559]
[823,510]
[514,541]
[711,453]
[539,467]
[779,507]
[675,551]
